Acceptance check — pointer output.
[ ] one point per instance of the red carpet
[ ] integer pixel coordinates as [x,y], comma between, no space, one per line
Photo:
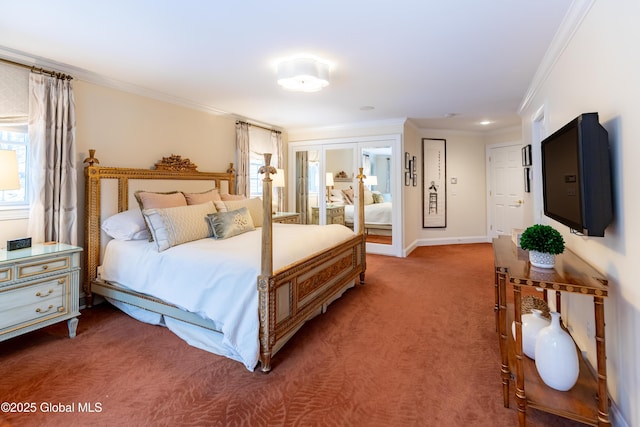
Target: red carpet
[415,346]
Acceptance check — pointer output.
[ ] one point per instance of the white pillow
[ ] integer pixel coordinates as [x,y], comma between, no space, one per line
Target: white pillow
[336,195]
[127,225]
[177,225]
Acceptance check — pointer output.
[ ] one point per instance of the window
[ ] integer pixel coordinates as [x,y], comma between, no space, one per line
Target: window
[16,137]
[256,161]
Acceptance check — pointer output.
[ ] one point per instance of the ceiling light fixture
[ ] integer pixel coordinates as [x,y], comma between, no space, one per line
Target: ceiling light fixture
[486,122]
[303,73]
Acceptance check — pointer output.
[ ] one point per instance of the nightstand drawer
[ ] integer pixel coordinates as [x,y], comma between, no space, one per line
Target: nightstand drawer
[41,267]
[6,274]
[48,298]
[336,210]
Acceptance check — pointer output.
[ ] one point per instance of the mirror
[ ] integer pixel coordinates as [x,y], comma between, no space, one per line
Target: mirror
[323,170]
[378,213]
[307,183]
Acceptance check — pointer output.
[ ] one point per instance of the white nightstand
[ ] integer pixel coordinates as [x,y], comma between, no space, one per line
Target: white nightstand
[286,217]
[39,286]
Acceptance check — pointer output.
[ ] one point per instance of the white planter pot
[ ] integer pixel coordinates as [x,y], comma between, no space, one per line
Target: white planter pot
[556,356]
[532,323]
[542,259]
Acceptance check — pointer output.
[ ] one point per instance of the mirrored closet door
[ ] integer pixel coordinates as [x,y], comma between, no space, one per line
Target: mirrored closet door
[323,185]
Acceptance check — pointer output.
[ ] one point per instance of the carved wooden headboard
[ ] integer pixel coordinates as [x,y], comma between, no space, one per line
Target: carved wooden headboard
[109,190]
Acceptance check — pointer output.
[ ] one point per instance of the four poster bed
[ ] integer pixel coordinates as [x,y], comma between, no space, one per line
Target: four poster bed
[243,289]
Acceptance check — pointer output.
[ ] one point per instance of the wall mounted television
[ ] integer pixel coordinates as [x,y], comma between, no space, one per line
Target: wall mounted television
[576,176]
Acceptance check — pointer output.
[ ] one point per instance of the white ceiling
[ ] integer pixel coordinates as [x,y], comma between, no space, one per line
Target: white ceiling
[416,59]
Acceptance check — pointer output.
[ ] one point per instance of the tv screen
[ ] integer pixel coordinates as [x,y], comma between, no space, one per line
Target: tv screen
[576,176]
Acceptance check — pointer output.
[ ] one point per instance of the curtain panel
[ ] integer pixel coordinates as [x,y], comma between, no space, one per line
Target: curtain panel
[52,165]
[243,154]
[276,142]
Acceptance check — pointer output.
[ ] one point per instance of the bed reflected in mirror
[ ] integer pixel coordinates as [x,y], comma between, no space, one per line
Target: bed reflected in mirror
[376,165]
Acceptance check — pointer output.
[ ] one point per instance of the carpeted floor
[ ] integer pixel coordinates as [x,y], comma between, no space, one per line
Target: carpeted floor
[415,346]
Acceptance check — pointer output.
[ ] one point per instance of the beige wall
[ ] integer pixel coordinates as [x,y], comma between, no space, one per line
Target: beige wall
[597,71]
[128,130]
[466,200]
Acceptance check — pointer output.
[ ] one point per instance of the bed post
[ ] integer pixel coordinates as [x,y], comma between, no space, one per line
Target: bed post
[361,176]
[92,223]
[265,280]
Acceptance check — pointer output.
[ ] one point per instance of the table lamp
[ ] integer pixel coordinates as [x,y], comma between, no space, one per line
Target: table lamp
[329,183]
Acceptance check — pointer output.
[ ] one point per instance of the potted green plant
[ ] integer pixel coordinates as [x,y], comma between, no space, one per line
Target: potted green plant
[543,242]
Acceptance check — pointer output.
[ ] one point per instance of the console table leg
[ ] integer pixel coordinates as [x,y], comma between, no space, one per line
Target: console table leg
[501,302]
[521,398]
[603,397]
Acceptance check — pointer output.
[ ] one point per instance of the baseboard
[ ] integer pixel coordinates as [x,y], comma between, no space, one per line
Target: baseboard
[453,241]
[445,241]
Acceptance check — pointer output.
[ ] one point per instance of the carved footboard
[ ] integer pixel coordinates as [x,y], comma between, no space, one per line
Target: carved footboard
[293,295]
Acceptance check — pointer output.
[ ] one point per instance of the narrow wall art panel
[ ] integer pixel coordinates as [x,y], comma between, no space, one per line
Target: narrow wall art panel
[434,183]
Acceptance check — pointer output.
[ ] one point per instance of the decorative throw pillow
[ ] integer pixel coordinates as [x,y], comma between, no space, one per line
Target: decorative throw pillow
[348,196]
[149,200]
[152,200]
[226,197]
[377,197]
[127,225]
[228,224]
[368,197]
[177,225]
[212,195]
[253,205]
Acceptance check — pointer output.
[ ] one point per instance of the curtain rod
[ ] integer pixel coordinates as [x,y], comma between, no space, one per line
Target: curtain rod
[258,126]
[35,69]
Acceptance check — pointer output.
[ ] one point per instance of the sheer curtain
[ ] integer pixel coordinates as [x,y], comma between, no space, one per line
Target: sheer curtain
[53,215]
[302,185]
[243,154]
[276,142]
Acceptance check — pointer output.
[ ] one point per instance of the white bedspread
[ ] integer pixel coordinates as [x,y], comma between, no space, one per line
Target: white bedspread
[376,213]
[216,278]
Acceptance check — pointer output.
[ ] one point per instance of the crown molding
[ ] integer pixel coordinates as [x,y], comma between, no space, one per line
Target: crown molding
[100,80]
[570,24]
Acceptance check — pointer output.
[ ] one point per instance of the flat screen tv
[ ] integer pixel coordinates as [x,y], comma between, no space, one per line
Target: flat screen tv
[576,176]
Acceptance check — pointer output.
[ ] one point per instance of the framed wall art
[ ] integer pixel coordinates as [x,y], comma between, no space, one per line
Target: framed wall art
[526,155]
[434,183]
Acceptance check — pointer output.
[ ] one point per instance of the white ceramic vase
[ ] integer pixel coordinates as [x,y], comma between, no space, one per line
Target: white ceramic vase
[542,259]
[556,356]
[532,323]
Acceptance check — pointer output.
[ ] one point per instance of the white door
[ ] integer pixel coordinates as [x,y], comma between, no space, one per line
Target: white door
[506,189]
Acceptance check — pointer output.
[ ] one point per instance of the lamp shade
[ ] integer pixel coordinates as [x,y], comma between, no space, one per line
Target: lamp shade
[371,180]
[9,178]
[329,182]
[303,74]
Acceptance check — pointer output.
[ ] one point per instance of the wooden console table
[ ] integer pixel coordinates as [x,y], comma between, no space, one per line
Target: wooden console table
[587,401]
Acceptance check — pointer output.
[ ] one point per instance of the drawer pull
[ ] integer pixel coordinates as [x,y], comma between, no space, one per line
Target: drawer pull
[39,294]
[61,281]
[44,267]
[39,310]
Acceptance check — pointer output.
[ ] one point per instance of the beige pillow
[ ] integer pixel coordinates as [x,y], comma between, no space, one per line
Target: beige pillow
[229,224]
[254,205]
[212,195]
[368,197]
[152,200]
[226,197]
[174,226]
[149,200]
[348,196]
